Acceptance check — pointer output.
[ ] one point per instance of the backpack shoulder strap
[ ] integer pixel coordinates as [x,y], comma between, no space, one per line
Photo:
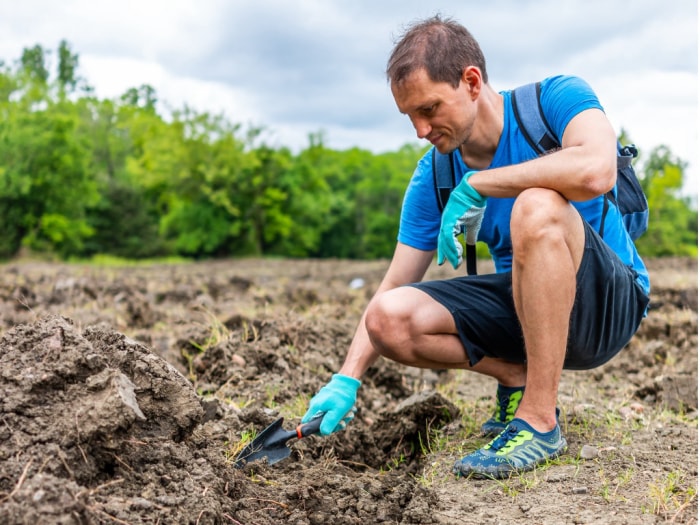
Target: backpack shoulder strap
[530,118]
[528,113]
[443,176]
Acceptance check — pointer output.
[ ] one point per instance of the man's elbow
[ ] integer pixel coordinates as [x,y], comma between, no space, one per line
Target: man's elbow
[600,177]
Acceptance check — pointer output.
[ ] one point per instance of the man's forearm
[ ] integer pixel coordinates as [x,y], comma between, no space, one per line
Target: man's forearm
[408,265]
[584,168]
[361,354]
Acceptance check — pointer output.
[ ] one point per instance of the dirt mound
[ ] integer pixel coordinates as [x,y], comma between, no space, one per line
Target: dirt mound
[99,428]
[94,425]
[127,394]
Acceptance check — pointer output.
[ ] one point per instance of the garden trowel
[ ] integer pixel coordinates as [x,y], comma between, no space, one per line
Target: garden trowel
[272,442]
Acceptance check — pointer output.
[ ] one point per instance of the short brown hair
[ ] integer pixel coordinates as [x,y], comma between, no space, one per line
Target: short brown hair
[442,47]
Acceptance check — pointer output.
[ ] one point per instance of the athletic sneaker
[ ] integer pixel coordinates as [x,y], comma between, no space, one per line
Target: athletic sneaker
[507,401]
[518,448]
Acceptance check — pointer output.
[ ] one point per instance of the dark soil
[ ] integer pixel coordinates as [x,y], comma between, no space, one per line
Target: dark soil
[127,393]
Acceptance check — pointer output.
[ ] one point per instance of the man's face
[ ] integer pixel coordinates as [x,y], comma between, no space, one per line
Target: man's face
[440,113]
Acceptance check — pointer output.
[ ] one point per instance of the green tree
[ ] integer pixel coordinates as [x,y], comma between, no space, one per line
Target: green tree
[67,68]
[143,97]
[305,211]
[192,169]
[32,77]
[33,63]
[8,85]
[341,173]
[123,220]
[380,196]
[45,186]
[673,224]
[261,200]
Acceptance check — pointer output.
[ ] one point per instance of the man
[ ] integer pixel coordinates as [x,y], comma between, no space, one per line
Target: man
[562,296]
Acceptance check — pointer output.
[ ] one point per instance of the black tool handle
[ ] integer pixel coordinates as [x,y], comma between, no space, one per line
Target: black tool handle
[312,427]
[471,259]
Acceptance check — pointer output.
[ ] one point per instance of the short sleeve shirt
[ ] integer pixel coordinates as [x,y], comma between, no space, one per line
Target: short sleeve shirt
[562,98]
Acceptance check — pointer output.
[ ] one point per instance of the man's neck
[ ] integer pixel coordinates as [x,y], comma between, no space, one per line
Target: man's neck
[479,149]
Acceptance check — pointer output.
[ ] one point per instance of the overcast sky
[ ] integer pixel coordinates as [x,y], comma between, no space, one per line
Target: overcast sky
[302,66]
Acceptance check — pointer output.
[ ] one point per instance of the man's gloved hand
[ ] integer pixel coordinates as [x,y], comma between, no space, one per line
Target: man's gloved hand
[464,209]
[337,401]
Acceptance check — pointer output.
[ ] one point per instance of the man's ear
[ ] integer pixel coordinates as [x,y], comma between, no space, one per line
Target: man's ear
[471,78]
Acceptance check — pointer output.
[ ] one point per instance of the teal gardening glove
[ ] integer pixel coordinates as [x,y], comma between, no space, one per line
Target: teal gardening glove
[464,210]
[337,401]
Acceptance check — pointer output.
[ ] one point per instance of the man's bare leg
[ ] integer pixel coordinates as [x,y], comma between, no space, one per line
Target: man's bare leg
[548,243]
[408,326]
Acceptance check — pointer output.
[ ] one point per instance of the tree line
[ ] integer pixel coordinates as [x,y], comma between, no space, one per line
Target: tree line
[82,175]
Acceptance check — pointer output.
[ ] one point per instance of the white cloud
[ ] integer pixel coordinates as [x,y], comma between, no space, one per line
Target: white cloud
[116,75]
[301,66]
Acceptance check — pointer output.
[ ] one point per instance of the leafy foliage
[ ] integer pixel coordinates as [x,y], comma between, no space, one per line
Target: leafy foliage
[45,184]
[673,224]
[82,176]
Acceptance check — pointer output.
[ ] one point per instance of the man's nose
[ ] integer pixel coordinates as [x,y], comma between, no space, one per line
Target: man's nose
[422,127]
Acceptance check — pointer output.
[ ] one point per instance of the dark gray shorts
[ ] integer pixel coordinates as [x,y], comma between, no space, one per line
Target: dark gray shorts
[608,309]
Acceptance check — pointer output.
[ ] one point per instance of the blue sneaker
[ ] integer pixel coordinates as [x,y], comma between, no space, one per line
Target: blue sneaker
[518,448]
[507,402]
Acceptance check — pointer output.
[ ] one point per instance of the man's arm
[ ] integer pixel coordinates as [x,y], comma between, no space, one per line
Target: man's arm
[585,167]
[337,398]
[408,265]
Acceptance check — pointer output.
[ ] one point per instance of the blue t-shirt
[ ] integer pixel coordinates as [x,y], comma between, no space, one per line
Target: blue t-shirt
[562,98]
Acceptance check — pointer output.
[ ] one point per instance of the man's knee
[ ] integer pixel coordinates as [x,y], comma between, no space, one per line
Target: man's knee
[387,324]
[540,214]
[537,207]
